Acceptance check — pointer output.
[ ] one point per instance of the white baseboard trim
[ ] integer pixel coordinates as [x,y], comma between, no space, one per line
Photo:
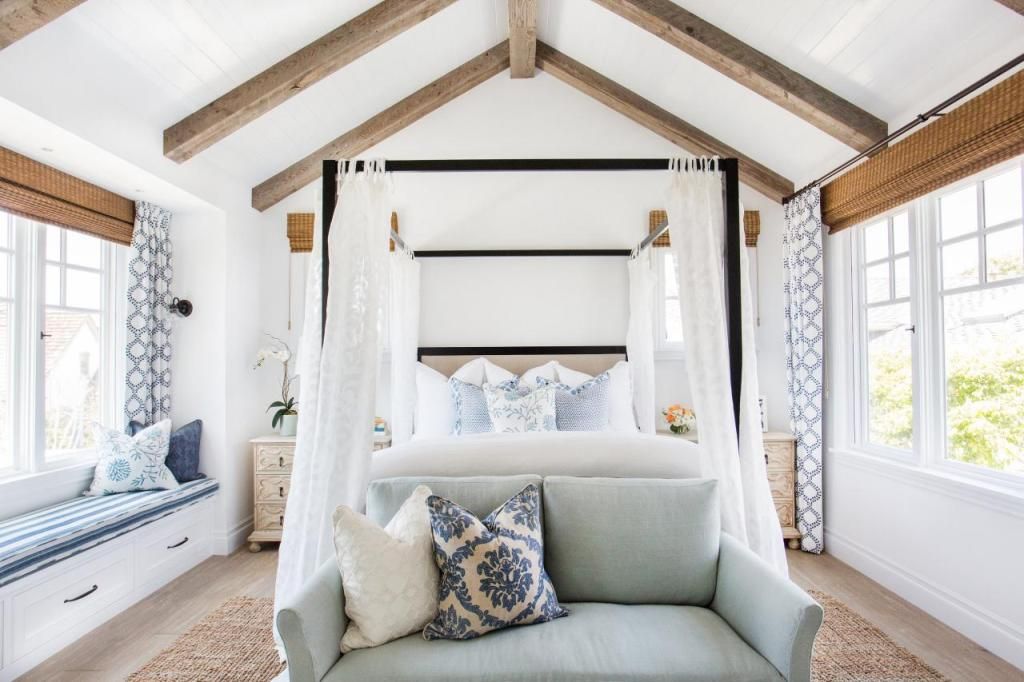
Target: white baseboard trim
[226,542]
[995,633]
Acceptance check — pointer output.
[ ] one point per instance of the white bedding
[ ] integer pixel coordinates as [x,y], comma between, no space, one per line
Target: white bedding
[558,453]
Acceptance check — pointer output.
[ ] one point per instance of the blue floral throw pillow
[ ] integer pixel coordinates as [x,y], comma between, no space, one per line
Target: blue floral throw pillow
[516,409]
[492,571]
[130,463]
[583,408]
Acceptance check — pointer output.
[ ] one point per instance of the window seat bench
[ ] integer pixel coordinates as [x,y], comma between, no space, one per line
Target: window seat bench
[67,568]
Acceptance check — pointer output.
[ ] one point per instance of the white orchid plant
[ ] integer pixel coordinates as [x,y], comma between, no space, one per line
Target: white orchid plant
[279,350]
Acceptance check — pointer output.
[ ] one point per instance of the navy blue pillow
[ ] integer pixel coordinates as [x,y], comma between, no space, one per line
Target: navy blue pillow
[183,453]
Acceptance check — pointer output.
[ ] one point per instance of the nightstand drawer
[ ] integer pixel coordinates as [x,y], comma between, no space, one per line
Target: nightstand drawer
[272,488]
[781,483]
[779,455]
[269,517]
[274,459]
[786,511]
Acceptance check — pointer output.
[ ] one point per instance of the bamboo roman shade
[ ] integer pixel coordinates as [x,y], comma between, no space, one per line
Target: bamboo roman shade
[982,132]
[751,227]
[300,232]
[40,192]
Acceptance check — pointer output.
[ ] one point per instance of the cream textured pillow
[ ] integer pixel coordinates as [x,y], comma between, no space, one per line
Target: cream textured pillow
[388,574]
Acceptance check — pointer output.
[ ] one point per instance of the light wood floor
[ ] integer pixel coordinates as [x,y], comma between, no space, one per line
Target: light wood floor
[122,645]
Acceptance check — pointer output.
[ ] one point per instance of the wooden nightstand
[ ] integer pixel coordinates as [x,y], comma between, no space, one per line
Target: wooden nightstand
[272,476]
[780,460]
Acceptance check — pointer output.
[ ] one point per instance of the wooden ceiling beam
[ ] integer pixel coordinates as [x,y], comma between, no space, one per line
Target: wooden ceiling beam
[383,125]
[1016,5]
[755,70]
[658,120]
[18,18]
[522,37]
[293,74]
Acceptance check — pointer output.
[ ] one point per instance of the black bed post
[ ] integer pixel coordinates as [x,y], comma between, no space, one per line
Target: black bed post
[733,288]
[330,198]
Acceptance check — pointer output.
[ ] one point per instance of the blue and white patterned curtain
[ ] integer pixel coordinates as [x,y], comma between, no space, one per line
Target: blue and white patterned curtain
[148,347]
[804,292]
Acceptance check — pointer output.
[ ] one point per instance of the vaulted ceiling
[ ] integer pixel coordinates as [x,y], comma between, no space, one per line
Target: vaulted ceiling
[801,85]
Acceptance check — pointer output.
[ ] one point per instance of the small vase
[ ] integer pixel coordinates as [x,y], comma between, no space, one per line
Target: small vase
[679,430]
[288,424]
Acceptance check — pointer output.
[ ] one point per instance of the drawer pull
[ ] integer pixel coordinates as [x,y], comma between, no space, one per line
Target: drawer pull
[280,520]
[83,595]
[280,462]
[178,544]
[766,458]
[280,491]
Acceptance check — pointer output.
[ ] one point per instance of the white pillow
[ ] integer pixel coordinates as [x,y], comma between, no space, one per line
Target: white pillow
[388,574]
[129,463]
[546,371]
[620,394]
[480,371]
[435,409]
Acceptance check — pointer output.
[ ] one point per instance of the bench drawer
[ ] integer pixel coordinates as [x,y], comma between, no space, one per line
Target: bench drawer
[172,546]
[42,612]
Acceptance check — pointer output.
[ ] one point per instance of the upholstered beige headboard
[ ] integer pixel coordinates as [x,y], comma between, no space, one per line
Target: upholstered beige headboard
[589,359]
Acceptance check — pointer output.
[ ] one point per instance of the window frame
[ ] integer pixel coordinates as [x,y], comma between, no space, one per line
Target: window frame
[663,348]
[28,384]
[926,297]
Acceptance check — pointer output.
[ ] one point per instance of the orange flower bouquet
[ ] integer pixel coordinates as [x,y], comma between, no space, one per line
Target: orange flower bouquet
[680,419]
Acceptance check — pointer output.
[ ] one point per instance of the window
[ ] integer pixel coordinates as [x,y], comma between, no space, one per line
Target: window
[669,323]
[938,354]
[60,326]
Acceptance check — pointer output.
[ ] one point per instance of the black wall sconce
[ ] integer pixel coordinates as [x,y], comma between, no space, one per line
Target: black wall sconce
[182,306]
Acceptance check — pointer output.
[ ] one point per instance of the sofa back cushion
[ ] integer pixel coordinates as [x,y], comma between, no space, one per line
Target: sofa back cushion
[630,540]
[477,494]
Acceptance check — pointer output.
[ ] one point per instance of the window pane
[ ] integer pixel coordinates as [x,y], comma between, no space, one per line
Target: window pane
[83,249]
[959,212]
[673,321]
[72,357]
[890,376]
[52,285]
[83,289]
[1004,251]
[900,233]
[6,397]
[5,274]
[960,264]
[901,277]
[671,278]
[1002,198]
[53,243]
[876,279]
[876,241]
[984,357]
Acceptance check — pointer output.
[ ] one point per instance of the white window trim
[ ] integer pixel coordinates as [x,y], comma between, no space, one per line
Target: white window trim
[28,427]
[927,461]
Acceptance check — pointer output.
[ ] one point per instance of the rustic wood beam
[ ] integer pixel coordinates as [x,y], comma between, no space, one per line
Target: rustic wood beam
[293,74]
[522,37]
[658,120]
[383,125]
[1016,5]
[18,18]
[797,94]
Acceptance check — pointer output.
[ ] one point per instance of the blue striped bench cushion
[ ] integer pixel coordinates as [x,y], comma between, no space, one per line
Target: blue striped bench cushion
[33,541]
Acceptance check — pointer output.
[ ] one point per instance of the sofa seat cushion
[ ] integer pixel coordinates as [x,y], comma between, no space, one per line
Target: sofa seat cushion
[33,541]
[595,642]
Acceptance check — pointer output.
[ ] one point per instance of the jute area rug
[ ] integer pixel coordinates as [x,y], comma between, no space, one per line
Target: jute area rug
[235,644]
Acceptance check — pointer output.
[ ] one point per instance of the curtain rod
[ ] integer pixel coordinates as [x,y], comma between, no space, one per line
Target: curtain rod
[918,120]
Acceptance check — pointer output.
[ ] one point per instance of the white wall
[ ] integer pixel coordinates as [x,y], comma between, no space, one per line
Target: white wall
[532,301]
[950,546]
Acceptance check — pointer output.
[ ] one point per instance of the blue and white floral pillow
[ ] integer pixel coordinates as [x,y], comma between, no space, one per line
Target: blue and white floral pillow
[492,571]
[517,409]
[130,463]
[583,408]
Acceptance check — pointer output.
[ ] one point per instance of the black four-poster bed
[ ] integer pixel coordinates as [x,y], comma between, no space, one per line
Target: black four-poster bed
[729,169]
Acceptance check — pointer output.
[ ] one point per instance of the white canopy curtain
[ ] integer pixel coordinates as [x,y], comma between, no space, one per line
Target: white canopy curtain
[696,226]
[640,337]
[404,324]
[338,378]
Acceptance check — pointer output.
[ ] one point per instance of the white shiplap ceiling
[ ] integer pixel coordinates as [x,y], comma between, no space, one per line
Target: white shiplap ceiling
[149,63]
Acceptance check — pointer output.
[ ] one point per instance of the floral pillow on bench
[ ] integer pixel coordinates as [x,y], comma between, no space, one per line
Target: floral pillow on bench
[130,463]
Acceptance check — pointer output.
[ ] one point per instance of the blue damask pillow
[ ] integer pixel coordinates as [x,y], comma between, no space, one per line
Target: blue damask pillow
[492,571]
[183,454]
[583,408]
[471,414]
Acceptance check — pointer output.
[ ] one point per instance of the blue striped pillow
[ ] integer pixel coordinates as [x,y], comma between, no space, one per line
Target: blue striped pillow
[583,408]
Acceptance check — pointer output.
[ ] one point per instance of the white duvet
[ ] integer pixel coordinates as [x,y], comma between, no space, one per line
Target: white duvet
[555,453]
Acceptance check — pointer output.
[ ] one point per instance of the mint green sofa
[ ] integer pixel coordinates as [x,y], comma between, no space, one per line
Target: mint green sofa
[654,589]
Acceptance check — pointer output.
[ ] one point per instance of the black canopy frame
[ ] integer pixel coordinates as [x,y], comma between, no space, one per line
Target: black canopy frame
[729,169]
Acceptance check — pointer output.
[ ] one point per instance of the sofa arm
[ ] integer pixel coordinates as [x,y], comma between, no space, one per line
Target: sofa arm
[311,626]
[768,611]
